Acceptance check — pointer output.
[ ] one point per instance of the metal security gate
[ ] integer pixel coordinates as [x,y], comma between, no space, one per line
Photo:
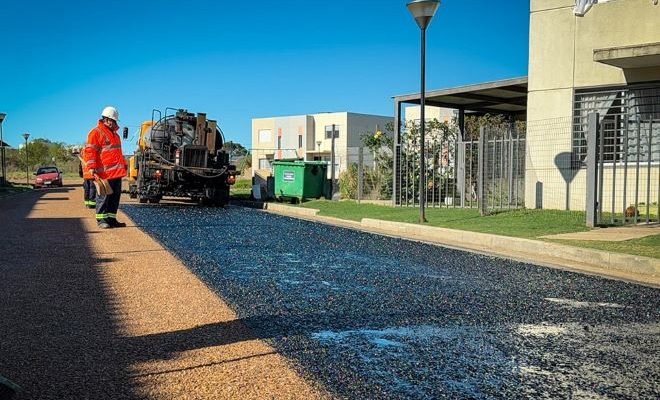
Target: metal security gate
[622,154]
[440,154]
[487,173]
[501,177]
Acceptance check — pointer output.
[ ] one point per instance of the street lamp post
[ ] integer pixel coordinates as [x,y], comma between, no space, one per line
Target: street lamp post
[423,11]
[27,167]
[3,169]
[332,161]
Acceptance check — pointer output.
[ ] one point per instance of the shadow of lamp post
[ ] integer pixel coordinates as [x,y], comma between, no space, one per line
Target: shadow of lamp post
[568,166]
[423,12]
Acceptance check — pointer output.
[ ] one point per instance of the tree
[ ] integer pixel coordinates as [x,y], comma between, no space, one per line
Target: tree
[42,152]
[440,146]
[497,122]
[380,144]
[245,163]
[235,149]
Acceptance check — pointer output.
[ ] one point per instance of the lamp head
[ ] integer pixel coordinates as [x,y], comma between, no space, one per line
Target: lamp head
[26,135]
[2,117]
[423,11]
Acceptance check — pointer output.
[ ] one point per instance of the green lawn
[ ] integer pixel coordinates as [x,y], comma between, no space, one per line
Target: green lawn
[528,224]
[241,189]
[517,223]
[648,246]
[19,176]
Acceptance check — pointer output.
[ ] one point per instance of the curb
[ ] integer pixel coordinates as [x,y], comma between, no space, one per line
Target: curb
[637,269]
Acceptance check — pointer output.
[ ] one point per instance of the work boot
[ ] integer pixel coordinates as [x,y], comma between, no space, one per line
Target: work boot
[116,224]
[104,225]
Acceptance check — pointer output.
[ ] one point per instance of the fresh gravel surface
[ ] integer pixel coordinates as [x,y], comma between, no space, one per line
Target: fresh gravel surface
[369,316]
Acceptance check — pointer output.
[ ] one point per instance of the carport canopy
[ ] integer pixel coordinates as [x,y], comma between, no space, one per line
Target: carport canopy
[507,96]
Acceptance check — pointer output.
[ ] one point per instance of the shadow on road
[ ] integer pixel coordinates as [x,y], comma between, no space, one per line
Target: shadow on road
[58,336]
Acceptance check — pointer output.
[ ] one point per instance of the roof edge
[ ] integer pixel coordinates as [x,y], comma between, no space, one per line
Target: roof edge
[466,88]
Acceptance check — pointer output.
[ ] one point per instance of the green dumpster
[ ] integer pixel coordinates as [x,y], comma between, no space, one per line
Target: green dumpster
[299,179]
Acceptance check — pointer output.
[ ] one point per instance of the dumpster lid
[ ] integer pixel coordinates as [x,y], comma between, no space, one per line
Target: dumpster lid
[299,163]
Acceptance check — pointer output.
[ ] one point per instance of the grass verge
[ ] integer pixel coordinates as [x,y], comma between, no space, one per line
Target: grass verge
[529,224]
[648,246]
[518,223]
[241,189]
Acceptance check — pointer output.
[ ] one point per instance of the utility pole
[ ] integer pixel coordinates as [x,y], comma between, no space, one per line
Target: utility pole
[27,160]
[2,152]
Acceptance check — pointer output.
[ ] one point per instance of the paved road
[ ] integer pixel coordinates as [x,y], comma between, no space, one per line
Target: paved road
[376,317]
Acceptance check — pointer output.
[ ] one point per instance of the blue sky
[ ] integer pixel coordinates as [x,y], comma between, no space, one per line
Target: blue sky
[62,62]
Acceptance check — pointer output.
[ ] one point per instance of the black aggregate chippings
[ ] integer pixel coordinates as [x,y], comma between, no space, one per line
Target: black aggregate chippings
[375,317]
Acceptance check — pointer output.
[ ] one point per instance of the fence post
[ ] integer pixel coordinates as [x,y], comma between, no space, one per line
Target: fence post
[592,171]
[460,171]
[510,165]
[481,172]
[360,173]
[396,147]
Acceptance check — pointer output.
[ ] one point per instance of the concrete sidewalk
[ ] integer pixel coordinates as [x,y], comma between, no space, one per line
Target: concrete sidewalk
[92,314]
[627,267]
[618,234]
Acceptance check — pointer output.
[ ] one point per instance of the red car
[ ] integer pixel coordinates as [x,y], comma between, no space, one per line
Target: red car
[47,176]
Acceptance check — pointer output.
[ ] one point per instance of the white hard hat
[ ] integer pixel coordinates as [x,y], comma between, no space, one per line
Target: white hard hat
[111,112]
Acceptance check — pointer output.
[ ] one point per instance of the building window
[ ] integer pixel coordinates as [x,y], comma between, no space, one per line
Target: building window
[265,163]
[629,122]
[279,142]
[300,143]
[328,131]
[265,135]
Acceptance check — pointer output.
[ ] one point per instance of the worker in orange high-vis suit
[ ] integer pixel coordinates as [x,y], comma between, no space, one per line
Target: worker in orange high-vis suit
[105,160]
[89,189]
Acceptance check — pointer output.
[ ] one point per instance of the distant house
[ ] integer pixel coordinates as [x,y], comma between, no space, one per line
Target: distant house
[309,137]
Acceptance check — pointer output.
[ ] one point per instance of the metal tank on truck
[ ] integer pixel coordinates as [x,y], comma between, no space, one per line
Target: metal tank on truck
[181,155]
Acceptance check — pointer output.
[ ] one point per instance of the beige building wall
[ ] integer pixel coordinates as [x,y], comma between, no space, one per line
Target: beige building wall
[264,136]
[561,47]
[412,113]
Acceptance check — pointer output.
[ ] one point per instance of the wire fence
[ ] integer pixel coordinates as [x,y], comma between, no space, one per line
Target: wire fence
[367,176]
[501,169]
[555,177]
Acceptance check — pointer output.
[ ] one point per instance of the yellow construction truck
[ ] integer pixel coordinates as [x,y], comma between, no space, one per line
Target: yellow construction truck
[181,155]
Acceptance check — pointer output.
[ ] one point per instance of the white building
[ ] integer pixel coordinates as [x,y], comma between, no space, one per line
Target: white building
[309,137]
